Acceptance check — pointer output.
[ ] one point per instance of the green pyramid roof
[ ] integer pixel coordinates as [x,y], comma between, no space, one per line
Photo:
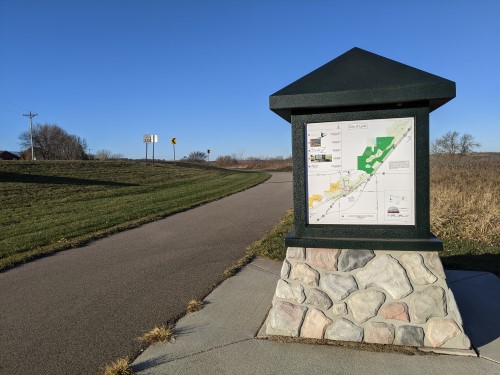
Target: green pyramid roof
[361,78]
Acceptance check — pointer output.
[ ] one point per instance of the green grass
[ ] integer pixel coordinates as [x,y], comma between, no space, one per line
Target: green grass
[47,206]
[272,244]
[457,254]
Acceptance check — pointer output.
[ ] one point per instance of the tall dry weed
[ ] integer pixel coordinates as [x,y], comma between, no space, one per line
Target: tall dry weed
[464,196]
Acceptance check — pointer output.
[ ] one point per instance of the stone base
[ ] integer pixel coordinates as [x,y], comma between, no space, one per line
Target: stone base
[372,296]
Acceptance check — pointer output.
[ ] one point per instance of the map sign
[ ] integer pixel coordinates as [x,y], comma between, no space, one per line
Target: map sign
[361,172]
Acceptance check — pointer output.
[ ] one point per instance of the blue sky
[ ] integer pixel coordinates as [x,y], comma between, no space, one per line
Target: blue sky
[202,71]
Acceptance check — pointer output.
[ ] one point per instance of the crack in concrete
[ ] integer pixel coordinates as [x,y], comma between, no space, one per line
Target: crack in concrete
[263,269]
[490,359]
[209,350]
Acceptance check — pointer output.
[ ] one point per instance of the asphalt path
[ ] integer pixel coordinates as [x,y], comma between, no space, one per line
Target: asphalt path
[72,312]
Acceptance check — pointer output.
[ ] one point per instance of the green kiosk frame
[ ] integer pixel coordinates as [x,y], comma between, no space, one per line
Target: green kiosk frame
[362,89]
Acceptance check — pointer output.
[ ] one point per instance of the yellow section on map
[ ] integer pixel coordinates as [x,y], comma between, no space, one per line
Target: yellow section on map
[334,186]
[314,198]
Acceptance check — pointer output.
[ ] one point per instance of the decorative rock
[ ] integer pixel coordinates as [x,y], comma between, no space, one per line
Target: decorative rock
[385,272]
[344,330]
[428,303]
[460,341]
[338,287]
[418,272]
[409,336]
[434,264]
[298,253]
[364,305]
[314,324]
[379,333]
[285,270]
[441,330]
[453,308]
[290,292]
[322,258]
[339,309]
[352,259]
[366,295]
[396,311]
[286,318]
[318,298]
[302,272]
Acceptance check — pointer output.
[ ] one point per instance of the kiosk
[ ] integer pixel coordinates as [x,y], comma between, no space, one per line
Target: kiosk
[362,264]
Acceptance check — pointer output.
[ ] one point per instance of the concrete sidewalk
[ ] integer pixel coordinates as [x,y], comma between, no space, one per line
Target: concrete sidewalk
[220,339]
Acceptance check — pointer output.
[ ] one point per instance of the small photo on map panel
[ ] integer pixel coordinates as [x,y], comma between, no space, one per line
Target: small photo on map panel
[321,158]
[315,142]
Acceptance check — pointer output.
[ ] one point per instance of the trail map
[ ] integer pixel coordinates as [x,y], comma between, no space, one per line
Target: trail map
[361,172]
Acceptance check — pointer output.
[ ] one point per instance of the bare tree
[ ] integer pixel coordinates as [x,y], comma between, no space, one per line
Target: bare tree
[73,148]
[467,144]
[117,156]
[103,155]
[51,142]
[107,155]
[452,143]
[447,144]
[196,156]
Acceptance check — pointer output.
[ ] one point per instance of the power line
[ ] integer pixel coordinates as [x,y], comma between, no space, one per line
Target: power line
[12,104]
[31,115]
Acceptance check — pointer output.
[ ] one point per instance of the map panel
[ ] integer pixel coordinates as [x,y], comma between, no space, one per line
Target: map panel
[361,172]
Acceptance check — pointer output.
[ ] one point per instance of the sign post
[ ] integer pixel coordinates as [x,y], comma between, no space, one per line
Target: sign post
[150,138]
[146,139]
[174,142]
[154,139]
[362,257]
[208,153]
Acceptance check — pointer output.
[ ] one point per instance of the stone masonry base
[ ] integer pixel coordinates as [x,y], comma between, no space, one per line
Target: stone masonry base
[372,296]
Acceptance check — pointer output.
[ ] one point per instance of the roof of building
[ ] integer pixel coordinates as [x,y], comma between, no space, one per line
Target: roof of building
[15,153]
[361,78]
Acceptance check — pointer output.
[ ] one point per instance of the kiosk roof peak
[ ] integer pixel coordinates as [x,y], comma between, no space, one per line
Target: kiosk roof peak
[359,78]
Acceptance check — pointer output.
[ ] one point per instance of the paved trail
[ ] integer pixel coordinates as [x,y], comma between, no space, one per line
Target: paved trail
[72,312]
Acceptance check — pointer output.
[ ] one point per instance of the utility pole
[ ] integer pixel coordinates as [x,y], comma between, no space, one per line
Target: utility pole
[31,115]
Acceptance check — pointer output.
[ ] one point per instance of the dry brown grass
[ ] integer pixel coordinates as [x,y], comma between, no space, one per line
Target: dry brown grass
[194,305]
[465,193]
[465,210]
[119,367]
[158,334]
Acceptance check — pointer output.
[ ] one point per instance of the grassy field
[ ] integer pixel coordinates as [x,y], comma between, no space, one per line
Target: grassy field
[465,214]
[465,210]
[48,206]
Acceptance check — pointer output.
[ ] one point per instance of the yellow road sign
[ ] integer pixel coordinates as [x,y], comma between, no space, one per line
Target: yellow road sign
[174,141]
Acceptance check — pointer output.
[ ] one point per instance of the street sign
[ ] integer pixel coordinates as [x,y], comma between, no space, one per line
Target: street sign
[150,138]
[174,141]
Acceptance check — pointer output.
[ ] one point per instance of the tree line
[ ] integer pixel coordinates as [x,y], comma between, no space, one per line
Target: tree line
[453,143]
[51,142]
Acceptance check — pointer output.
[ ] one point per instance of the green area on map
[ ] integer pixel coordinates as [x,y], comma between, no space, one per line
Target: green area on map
[374,155]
